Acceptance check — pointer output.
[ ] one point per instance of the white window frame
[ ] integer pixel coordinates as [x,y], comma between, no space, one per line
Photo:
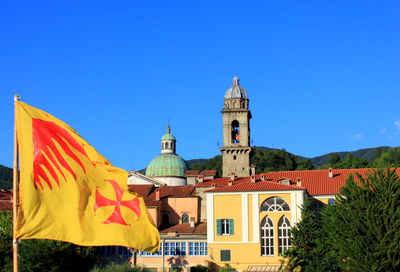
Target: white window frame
[173,247]
[225,227]
[274,207]
[197,248]
[267,237]
[283,234]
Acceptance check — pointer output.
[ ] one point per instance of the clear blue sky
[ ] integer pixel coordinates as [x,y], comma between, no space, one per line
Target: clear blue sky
[322,76]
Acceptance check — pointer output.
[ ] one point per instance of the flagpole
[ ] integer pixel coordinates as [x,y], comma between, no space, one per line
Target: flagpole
[15,189]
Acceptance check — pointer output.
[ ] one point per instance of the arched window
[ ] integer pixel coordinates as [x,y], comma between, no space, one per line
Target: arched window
[267,237]
[283,234]
[165,219]
[185,218]
[166,145]
[274,204]
[235,132]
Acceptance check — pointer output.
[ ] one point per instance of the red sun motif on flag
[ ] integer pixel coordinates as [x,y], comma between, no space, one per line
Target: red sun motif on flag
[116,216]
[45,135]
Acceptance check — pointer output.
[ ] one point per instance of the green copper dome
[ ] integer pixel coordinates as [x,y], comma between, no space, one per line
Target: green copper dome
[168,136]
[166,165]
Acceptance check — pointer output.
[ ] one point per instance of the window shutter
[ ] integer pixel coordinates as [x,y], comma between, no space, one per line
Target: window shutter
[225,255]
[231,227]
[218,226]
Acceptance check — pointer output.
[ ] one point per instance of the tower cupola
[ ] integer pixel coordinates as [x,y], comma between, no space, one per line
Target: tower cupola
[236,91]
[236,96]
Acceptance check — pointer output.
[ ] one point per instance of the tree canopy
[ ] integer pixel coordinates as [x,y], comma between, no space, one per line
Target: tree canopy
[388,158]
[264,160]
[42,255]
[361,232]
[348,162]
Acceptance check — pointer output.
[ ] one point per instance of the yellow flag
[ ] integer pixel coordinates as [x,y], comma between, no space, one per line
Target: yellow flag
[69,192]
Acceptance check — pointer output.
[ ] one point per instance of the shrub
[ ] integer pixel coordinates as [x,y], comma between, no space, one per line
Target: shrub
[199,268]
[227,268]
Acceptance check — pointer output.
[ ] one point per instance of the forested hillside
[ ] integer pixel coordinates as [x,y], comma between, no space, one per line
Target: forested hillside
[267,159]
[368,154]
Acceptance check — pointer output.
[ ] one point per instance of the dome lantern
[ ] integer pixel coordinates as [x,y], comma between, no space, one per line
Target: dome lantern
[168,167]
[168,142]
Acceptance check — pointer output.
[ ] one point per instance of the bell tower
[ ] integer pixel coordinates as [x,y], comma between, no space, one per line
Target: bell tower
[236,151]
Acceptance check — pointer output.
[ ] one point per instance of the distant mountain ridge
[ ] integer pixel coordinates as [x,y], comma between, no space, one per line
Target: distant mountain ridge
[366,154]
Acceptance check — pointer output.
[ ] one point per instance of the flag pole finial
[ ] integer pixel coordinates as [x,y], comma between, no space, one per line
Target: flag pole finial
[17,97]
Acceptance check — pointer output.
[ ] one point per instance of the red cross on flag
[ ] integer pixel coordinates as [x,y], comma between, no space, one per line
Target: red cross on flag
[71,193]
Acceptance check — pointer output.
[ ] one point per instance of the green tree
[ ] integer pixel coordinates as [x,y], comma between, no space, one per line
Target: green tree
[388,158]
[211,164]
[267,160]
[351,162]
[363,227]
[5,177]
[304,164]
[303,237]
[5,241]
[199,268]
[334,158]
[324,258]
[307,237]
[227,268]
[42,255]
[348,162]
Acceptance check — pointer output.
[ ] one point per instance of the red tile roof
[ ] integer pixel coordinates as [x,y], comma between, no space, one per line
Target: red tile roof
[147,191]
[5,200]
[6,206]
[219,182]
[200,228]
[257,186]
[5,194]
[203,172]
[316,182]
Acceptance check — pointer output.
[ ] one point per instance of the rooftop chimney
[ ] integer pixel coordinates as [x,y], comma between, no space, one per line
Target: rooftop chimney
[157,194]
[330,173]
[298,182]
[200,178]
[253,179]
[253,170]
[232,176]
[263,177]
[230,182]
[213,185]
[192,222]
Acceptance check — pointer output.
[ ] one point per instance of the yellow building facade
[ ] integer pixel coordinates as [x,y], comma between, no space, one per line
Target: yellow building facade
[251,228]
[249,218]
